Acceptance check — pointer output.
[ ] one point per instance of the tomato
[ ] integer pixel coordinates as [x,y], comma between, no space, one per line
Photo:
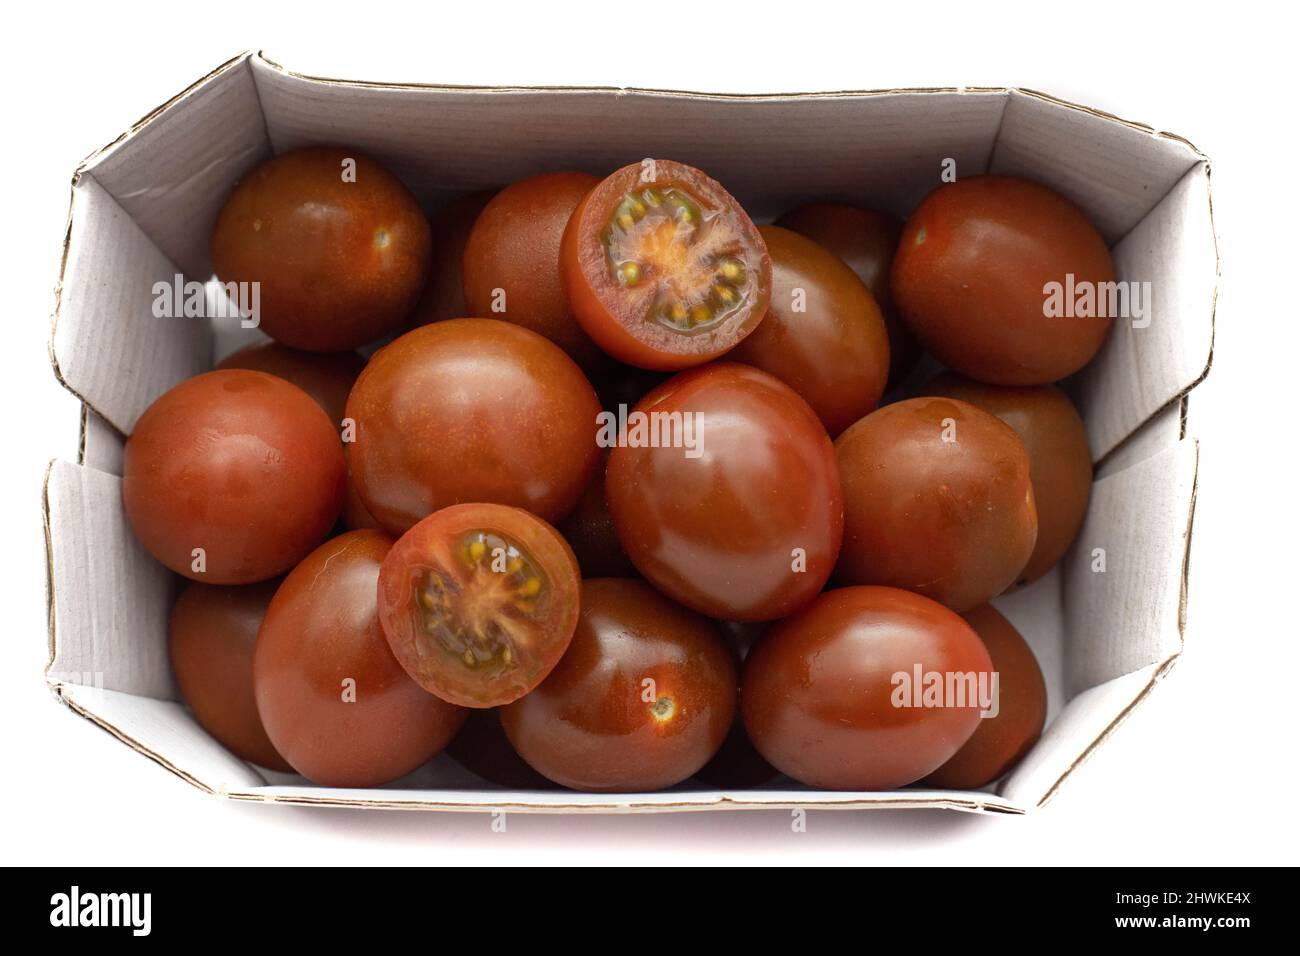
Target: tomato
[355,515]
[1060,462]
[327,377]
[1001,740]
[937,500]
[745,522]
[333,699]
[663,268]
[483,749]
[831,697]
[471,410]
[641,700]
[866,239]
[738,765]
[511,264]
[589,529]
[823,334]
[340,259]
[239,464]
[478,602]
[211,634]
[444,293]
[972,273]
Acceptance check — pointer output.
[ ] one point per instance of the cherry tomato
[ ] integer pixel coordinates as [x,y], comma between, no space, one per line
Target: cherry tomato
[211,635]
[1001,740]
[237,463]
[478,602]
[641,700]
[444,293]
[340,251]
[663,268]
[823,334]
[333,699]
[483,749]
[512,261]
[831,695]
[744,523]
[738,765]
[1060,462]
[866,239]
[937,500]
[355,515]
[327,377]
[972,273]
[471,410]
[589,529]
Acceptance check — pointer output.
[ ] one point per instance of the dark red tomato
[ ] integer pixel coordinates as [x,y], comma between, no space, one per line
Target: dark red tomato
[823,334]
[589,529]
[444,293]
[478,602]
[511,261]
[355,515]
[744,522]
[334,700]
[211,635]
[1060,462]
[937,500]
[835,696]
[327,377]
[1000,740]
[240,464]
[663,268]
[866,239]
[483,749]
[738,765]
[641,700]
[471,410]
[972,273]
[340,251]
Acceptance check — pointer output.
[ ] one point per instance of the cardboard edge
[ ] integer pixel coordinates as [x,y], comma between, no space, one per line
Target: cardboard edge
[50,622]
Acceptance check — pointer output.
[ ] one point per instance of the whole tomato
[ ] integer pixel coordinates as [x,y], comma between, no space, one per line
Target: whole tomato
[444,293]
[327,377]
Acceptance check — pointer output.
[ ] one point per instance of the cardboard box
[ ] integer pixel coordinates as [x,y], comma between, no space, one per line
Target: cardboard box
[143,208]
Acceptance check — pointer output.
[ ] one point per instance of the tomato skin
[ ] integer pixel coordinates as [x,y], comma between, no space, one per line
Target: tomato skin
[1060,461]
[970,273]
[444,293]
[953,520]
[334,700]
[327,377]
[999,742]
[589,726]
[834,353]
[210,636]
[483,749]
[339,263]
[239,463]
[480,613]
[514,246]
[471,410]
[816,692]
[866,239]
[601,304]
[717,532]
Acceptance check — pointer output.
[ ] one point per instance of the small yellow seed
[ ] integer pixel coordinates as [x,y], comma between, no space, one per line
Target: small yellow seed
[507,656]
[514,565]
[732,270]
[636,207]
[468,658]
[477,549]
[531,588]
[700,314]
[725,293]
[626,222]
[427,600]
[678,312]
[629,273]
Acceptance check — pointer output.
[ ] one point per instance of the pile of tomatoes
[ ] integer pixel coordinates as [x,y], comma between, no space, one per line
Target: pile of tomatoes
[615,503]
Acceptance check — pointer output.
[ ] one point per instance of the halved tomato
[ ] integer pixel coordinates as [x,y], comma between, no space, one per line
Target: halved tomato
[663,268]
[478,602]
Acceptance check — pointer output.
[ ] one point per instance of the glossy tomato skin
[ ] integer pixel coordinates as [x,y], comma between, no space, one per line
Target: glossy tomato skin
[471,410]
[683,261]
[327,377]
[333,699]
[823,334]
[444,293]
[339,263]
[1060,461]
[1000,741]
[641,700]
[818,693]
[514,247]
[750,528]
[210,635]
[937,500]
[970,278]
[238,463]
[866,239]
[483,749]
[478,602]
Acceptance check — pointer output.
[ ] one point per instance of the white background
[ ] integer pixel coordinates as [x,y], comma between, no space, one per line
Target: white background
[1204,772]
